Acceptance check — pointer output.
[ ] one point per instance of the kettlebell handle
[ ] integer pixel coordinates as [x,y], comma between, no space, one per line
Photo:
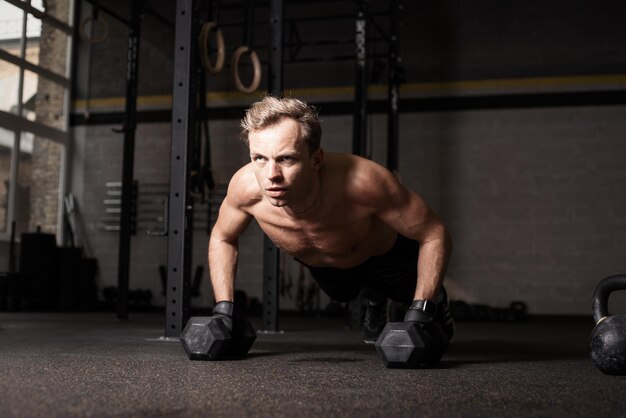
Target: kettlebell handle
[601,295]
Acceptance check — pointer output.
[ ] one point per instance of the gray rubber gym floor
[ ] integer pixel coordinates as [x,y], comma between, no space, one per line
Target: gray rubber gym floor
[66,365]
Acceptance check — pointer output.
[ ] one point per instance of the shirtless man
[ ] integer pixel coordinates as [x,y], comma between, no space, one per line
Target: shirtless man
[348,219]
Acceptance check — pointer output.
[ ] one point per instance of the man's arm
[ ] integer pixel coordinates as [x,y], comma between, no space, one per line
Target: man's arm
[231,222]
[409,215]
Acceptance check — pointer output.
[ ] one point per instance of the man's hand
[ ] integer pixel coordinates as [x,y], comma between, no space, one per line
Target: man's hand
[422,312]
[224,311]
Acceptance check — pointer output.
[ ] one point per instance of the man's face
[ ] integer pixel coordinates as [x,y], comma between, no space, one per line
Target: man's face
[282,165]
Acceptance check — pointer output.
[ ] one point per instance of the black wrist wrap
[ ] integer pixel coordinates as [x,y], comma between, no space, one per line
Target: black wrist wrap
[223,308]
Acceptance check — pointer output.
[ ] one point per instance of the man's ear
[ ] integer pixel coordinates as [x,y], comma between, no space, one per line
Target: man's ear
[318,158]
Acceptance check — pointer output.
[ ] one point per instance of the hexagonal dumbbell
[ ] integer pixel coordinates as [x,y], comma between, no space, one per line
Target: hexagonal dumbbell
[205,338]
[407,345]
[243,337]
[208,338]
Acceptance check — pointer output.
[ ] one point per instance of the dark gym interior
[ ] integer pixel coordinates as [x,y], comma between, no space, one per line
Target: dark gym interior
[119,134]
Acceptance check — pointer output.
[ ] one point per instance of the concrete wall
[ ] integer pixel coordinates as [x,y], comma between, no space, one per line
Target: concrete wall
[534,199]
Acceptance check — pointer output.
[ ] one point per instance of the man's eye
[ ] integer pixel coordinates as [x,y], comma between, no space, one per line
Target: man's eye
[258,159]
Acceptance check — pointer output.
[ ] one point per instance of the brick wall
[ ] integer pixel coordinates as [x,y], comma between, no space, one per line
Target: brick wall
[47,157]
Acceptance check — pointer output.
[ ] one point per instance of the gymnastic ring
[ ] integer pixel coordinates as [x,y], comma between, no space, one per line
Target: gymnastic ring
[96,39]
[256,65]
[204,48]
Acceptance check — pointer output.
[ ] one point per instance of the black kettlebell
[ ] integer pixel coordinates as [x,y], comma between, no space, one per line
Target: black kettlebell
[608,338]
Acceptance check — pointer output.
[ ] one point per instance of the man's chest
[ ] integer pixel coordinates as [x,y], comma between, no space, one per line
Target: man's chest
[322,235]
[338,239]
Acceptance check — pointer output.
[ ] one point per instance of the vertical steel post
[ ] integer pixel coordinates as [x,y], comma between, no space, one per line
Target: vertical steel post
[275,67]
[270,251]
[130,119]
[180,201]
[393,88]
[359,131]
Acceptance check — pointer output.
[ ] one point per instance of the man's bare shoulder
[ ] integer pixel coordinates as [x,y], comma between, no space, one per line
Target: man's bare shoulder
[350,165]
[365,182]
[360,171]
[243,189]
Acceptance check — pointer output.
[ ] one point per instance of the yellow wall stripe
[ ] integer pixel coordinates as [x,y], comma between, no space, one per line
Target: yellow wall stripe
[165,101]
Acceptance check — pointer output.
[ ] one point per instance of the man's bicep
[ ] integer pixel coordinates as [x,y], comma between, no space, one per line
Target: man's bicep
[405,211]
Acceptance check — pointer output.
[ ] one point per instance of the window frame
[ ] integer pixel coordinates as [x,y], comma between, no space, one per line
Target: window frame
[18,123]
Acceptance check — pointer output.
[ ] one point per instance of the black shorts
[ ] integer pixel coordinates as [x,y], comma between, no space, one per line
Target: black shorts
[393,274]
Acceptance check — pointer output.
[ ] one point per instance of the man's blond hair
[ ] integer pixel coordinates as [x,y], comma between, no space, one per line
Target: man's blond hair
[271,110]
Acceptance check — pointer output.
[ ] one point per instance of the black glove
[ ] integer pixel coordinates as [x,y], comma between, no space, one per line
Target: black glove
[224,311]
[422,313]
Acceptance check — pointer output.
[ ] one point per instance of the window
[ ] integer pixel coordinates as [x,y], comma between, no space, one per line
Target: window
[35,53]
[11,29]
[9,86]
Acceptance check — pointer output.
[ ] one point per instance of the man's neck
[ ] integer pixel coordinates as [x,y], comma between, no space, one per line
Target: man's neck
[307,209]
